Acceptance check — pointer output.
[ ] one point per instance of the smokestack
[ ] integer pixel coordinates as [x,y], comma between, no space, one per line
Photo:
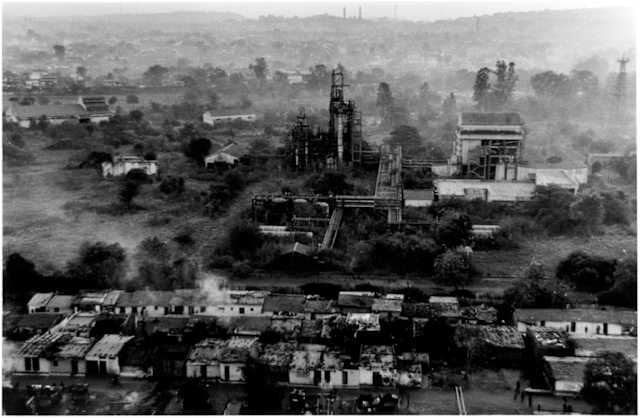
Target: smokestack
[360,12]
[344,12]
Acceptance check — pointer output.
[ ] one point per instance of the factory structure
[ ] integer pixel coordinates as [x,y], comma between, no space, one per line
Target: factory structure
[336,148]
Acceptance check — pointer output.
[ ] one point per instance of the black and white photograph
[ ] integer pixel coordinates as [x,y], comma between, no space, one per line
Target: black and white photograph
[319,208]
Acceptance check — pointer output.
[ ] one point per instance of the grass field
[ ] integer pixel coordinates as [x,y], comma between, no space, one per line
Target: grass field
[49,211]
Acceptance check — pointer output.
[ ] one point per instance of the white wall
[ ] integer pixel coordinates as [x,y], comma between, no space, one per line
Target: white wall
[502,191]
[582,329]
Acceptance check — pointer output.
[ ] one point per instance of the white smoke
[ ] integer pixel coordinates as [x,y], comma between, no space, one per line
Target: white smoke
[9,348]
[213,287]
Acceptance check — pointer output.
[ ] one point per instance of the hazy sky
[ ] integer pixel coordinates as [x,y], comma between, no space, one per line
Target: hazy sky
[405,10]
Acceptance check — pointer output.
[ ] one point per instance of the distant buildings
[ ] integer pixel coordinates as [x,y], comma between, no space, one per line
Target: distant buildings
[87,109]
[122,165]
[216,119]
[580,322]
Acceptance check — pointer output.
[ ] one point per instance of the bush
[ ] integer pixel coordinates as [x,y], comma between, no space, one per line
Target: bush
[615,210]
[453,229]
[221,261]
[586,272]
[536,294]
[241,269]
[172,185]
[243,240]
[132,99]
[453,269]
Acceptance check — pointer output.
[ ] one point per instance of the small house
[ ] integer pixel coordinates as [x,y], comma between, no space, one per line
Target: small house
[35,355]
[565,375]
[211,119]
[583,322]
[389,305]
[122,165]
[377,366]
[69,358]
[488,344]
[276,358]
[54,114]
[38,302]
[222,359]
[319,308]
[283,305]
[226,157]
[60,304]
[234,303]
[337,372]
[356,302]
[418,198]
[104,357]
[446,307]
[303,369]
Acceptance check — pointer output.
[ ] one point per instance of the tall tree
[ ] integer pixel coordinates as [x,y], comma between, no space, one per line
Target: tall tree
[610,383]
[482,89]
[155,74]
[384,103]
[59,51]
[259,68]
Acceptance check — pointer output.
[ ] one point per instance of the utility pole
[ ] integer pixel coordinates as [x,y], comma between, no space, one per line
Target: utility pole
[344,12]
[620,91]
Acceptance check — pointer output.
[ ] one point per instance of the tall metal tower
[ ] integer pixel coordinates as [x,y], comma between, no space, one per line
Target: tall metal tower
[621,82]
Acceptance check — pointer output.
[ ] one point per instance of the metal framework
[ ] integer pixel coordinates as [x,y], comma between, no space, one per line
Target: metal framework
[341,145]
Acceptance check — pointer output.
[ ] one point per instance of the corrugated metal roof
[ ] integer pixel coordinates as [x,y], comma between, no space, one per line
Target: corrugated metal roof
[52,110]
[40,300]
[109,346]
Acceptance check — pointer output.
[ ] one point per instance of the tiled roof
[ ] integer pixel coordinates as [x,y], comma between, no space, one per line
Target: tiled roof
[497,336]
[356,299]
[278,355]
[61,302]
[320,306]
[109,346]
[610,316]
[39,300]
[76,347]
[592,347]
[39,320]
[284,303]
[52,110]
[43,345]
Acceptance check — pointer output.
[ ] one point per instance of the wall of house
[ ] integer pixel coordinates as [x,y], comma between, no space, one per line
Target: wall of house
[63,367]
[231,310]
[237,372]
[19,365]
[301,377]
[336,378]
[500,191]
[194,369]
[123,167]
[586,329]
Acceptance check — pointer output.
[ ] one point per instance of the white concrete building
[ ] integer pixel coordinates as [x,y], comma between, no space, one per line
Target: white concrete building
[579,322]
[121,165]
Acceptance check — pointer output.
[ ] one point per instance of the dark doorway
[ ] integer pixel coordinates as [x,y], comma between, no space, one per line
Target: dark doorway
[92,368]
[316,377]
[203,371]
[605,328]
[103,368]
[377,379]
[226,372]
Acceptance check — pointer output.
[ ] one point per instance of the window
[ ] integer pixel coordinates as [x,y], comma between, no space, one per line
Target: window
[27,364]
[573,327]
[327,376]
[35,362]
[241,310]
[345,378]
[543,323]
[56,309]
[203,308]
[156,307]
[55,363]
[251,309]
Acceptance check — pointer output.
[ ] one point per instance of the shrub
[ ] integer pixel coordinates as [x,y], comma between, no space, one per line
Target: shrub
[615,210]
[536,294]
[453,269]
[241,269]
[586,272]
[172,185]
[453,229]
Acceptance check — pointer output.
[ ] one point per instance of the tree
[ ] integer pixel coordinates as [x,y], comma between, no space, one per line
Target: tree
[449,107]
[319,76]
[19,276]
[197,149]
[539,294]
[586,272]
[59,51]
[615,209]
[625,287]
[551,84]
[155,75]
[259,68]
[453,229]
[99,265]
[504,85]
[584,84]
[587,210]
[408,138]
[136,115]
[329,183]
[535,272]
[128,191]
[482,89]
[610,384]
[384,103]
[453,269]
[81,71]
[113,100]
[550,206]
[243,240]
